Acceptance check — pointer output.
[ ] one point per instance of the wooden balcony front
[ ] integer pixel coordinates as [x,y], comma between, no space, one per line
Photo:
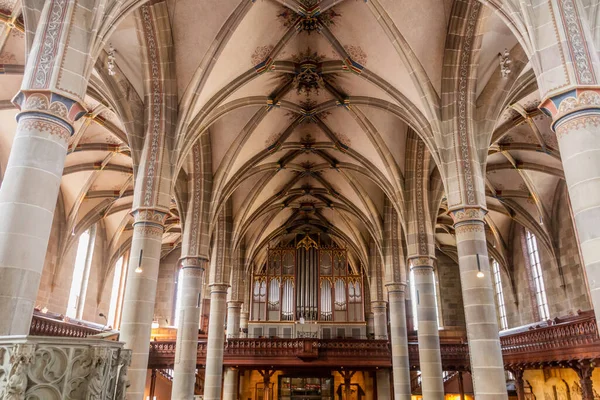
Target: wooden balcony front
[556,343]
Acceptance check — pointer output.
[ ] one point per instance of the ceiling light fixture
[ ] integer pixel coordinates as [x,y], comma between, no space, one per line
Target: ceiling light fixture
[110,64]
[139,269]
[505,62]
[479,271]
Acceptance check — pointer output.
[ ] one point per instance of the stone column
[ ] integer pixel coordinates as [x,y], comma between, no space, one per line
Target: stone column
[370,324]
[188,321]
[379,319]
[430,357]
[216,339]
[233,319]
[577,128]
[230,384]
[487,367]
[244,317]
[28,199]
[399,341]
[140,294]
[383,385]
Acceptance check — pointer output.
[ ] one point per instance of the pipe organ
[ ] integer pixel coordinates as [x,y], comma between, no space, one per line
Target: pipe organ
[307,282]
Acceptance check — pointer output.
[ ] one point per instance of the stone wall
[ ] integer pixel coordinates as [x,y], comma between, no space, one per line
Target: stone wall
[564,277]
[448,276]
[574,294]
[166,286]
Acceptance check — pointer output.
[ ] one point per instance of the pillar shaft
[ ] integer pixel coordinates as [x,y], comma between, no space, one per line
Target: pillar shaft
[579,142]
[27,201]
[487,368]
[140,295]
[216,332]
[188,321]
[234,309]
[379,319]
[230,384]
[244,317]
[383,385]
[430,357]
[399,342]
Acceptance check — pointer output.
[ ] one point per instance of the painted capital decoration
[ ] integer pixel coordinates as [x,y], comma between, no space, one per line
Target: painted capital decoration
[150,221]
[574,108]
[48,112]
[422,261]
[468,215]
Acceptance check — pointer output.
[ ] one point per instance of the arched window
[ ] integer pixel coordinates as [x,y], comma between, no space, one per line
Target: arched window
[81,273]
[116,293]
[536,272]
[497,280]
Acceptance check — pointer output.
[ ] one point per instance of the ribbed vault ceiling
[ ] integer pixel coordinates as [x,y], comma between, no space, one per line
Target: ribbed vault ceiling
[308,127]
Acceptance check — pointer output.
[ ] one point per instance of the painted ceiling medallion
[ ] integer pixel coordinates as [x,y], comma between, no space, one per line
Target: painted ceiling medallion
[308,18]
[309,76]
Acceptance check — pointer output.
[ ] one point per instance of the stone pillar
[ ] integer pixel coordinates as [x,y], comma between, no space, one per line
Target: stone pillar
[233,319]
[430,357]
[379,319]
[28,199]
[244,317]
[140,294]
[383,385]
[230,384]
[188,321]
[487,368]
[399,341]
[370,324]
[216,332]
[577,128]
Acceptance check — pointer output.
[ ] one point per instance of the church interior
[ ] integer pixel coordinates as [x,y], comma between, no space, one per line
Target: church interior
[299,199]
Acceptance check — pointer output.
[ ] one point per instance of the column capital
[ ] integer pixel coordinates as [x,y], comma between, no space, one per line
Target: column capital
[194,262]
[394,287]
[564,107]
[420,262]
[467,215]
[152,216]
[47,108]
[218,288]
[378,304]
[234,304]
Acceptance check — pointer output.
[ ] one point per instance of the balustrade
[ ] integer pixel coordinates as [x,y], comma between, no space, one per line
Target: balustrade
[576,338]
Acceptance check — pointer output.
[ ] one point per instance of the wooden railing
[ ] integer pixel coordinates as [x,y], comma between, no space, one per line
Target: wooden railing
[563,340]
[42,325]
[576,338]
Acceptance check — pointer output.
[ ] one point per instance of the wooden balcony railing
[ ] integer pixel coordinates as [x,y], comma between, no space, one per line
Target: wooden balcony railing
[51,325]
[564,340]
[568,340]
